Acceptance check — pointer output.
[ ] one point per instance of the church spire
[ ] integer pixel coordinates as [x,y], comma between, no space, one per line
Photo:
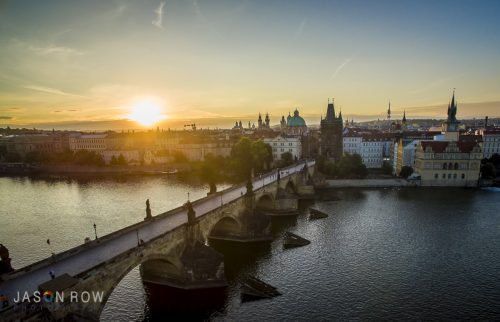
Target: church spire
[389,111]
[404,116]
[330,111]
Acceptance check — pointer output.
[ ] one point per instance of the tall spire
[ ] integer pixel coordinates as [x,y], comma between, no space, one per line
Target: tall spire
[389,111]
[404,116]
[330,112]
[452,109]
[340,113]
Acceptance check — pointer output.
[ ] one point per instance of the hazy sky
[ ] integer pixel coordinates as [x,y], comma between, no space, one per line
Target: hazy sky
[94,60]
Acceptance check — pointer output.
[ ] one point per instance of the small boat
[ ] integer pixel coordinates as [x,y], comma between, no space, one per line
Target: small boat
[316,214]
[292,240]
[253,289]
[173,171]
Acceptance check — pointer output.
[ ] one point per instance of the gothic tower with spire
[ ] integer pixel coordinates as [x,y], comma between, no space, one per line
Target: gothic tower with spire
[403,121]
[331,145]
[389,112]
[450,126]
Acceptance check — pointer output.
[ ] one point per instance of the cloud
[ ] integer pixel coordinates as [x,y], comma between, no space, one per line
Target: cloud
[49,90]
[158,22]
[6,117]
[50,49]
[300,28]
[197,9]
[335,73]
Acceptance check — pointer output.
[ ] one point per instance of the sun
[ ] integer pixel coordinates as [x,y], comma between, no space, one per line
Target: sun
[146,113]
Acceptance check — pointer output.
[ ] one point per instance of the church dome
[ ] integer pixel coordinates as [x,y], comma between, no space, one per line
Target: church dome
[296,120]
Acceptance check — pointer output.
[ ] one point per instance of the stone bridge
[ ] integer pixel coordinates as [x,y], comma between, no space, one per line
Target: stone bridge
[158,241]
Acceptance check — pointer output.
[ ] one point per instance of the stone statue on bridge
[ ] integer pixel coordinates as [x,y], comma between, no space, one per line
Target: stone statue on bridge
[5,266]
[249,187]
[148,211]
[191,213]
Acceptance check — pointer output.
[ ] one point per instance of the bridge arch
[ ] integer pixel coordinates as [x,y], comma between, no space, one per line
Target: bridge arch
[265,201]
[290,187]
[155,265]
[226,226]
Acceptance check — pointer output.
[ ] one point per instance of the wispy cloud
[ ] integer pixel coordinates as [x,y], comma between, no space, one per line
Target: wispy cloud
[300,28]
[6,117]
[48,49]
[158,22]
[49,90]
[341,66]
[197,9]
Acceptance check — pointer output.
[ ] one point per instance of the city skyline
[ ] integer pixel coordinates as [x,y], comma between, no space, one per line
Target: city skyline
[79,65]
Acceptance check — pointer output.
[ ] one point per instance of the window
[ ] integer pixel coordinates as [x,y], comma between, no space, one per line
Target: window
[444,175]
[456,166]
[436,176]
[463,175]
[444,166]
[449,175]
[454,176]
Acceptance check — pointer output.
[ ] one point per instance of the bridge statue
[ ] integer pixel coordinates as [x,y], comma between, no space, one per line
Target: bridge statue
[191,213]
[249,187]
[5,266]
[148,211]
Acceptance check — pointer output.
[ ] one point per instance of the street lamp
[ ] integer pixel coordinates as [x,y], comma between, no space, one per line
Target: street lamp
[137,233]
[188,195]
[221,202]
[95,231]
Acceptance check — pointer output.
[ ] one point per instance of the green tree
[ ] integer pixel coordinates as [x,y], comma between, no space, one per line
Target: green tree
[113,161]
[287,158]
[179,157]
[406,171]
[32,157]
[247,155]
[13,157]
[386,168]
[349,166]
[210,171]
[241,158]
[261,155]
[121,160]
[488,170]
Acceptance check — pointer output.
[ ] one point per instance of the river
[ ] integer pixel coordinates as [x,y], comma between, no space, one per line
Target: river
[410,253]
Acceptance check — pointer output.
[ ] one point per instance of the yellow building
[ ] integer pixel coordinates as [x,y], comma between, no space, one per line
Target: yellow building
[448,163]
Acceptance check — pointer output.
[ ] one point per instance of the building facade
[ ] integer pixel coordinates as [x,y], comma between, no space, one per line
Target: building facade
[451,160]
[41,143]
[491,141]
[331,142]
[282,144]
[89,142]
[448,163]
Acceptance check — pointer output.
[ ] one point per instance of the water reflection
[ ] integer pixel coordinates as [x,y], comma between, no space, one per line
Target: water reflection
[410,253]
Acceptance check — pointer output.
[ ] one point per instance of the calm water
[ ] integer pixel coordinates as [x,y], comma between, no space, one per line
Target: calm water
[382,254]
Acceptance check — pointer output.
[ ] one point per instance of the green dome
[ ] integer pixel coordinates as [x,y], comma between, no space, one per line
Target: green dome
[296,120]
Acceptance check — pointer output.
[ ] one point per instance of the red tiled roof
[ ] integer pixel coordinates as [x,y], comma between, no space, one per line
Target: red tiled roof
[440,146]
[471,138]
[491,131]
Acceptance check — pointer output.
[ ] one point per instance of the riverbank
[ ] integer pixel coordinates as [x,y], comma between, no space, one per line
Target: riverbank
[79,170]
[366,183]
